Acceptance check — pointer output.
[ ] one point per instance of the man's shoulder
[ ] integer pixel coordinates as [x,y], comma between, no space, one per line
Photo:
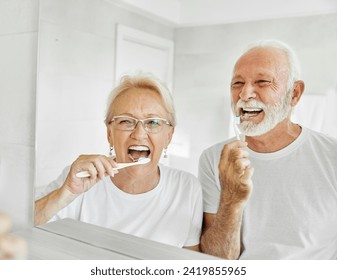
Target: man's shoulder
[216,148]
[324,138]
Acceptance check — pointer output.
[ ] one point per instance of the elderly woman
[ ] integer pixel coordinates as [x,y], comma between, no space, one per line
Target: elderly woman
[150,200]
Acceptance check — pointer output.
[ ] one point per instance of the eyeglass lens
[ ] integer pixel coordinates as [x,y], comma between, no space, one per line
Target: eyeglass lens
[152,125]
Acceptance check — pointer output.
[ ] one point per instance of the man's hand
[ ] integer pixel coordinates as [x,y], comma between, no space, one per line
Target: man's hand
[235,173]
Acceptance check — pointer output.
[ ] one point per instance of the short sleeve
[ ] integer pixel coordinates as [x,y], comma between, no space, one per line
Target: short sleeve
[58,182]
[208,176]
[197,216]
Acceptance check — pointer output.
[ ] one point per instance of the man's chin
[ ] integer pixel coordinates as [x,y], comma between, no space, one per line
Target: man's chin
[257,130]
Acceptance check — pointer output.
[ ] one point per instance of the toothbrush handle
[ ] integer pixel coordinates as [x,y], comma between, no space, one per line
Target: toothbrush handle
[238,134]
[123,165]
[82,174]
[85,174]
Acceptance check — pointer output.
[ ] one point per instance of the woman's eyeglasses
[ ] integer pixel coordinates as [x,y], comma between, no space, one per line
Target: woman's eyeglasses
[151,125]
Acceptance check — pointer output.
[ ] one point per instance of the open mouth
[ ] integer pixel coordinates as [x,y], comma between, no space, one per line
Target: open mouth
[250,112]
[137,152]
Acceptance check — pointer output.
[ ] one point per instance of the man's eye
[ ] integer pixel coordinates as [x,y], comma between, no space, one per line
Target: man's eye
[237,84]
[263,83]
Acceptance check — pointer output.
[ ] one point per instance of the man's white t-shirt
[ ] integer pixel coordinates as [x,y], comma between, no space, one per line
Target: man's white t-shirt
[292,211]
[171,213]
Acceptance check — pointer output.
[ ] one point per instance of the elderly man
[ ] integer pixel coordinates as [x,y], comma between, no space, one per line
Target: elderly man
[291,213]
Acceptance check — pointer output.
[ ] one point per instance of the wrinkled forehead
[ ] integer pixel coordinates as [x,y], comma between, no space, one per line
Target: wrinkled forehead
[262,59]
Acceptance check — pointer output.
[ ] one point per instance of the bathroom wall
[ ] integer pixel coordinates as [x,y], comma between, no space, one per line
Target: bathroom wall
[204,57]
[77,46]
[18,56]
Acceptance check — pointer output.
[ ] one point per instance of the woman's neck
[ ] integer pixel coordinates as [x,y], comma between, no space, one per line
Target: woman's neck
[136,184]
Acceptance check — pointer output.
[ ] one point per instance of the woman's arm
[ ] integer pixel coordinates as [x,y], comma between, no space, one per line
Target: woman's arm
[98,166]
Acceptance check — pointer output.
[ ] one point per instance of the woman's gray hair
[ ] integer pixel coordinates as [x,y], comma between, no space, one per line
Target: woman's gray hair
[142,81]
[294,66]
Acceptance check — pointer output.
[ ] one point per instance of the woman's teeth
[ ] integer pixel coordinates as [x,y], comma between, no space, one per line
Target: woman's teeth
[136,152]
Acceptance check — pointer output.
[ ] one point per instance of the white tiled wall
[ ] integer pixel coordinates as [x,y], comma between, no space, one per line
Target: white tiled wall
[18,53]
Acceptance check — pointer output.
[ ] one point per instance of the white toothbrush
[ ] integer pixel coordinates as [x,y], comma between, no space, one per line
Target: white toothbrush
[238,134]
[84,174]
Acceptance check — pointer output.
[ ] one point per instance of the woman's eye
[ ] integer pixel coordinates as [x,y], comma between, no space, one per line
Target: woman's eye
[125,122]
[153,122]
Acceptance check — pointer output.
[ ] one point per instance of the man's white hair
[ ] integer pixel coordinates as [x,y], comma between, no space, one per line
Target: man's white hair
[294,65]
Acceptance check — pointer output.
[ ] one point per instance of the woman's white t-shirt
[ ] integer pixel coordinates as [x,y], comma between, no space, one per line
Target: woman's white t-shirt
[171,213]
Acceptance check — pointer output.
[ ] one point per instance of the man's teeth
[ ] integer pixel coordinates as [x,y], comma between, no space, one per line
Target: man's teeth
[251,112]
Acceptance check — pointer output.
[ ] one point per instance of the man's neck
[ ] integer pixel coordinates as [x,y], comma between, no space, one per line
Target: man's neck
[276,139]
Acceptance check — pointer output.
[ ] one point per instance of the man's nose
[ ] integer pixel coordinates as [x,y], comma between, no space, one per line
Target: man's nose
[247,92]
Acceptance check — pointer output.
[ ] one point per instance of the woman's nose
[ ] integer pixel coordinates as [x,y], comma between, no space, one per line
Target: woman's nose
[247,92]
[139,132]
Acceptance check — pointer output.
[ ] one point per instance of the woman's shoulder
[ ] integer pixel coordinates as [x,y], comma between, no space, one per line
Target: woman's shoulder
[172,173]
[179,183]
[172,170]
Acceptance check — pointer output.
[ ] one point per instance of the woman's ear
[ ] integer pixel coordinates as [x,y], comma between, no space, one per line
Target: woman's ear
[109,135]
[169,135]
[298,89]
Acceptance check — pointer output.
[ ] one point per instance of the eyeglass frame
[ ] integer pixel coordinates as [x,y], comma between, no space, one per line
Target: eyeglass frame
[141,121]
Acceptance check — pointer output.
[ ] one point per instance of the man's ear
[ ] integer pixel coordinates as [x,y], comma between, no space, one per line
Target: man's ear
[297,91]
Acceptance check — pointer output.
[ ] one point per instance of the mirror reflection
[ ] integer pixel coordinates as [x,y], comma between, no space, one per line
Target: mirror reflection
[80,62]
[147,200]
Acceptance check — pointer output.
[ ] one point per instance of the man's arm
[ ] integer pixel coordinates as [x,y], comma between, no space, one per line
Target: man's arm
[222,231]
[221,234]
[193,248]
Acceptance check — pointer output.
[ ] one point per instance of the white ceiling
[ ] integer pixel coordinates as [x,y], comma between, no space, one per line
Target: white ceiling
[206,12]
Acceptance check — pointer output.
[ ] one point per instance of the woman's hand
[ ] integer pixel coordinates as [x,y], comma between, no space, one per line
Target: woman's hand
[98,166]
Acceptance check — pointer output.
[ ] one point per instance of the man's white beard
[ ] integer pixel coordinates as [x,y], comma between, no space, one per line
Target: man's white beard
[273,115]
